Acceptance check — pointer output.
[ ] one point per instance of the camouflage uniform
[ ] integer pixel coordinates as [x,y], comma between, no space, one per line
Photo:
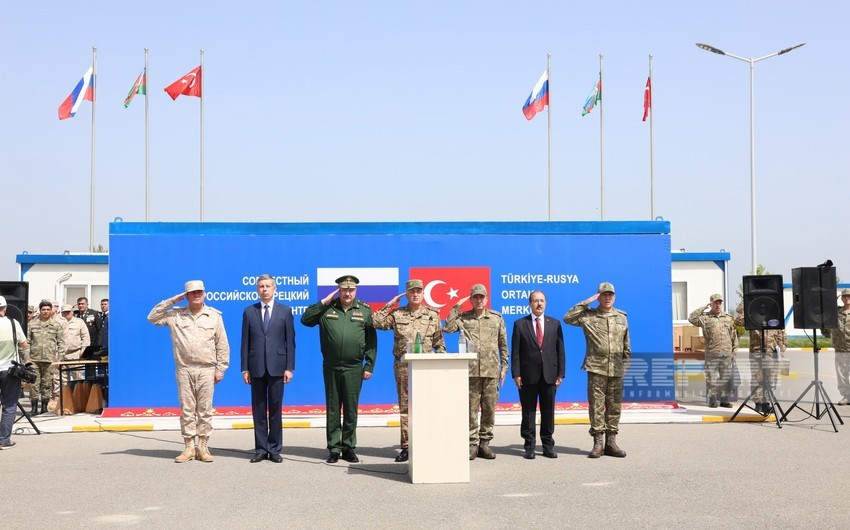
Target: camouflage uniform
[841,344]
[490,343]
[405,322]
[47,345]
[200,350]
[77,339]
[606,360]
[721,341]
[763,364]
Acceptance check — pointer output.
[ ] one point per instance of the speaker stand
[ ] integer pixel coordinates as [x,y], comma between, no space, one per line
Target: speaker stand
[767,391]
[27,416]
[820,394]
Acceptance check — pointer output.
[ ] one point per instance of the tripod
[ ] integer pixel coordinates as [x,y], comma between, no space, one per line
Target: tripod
[27,416]
[820,394]
[766,391]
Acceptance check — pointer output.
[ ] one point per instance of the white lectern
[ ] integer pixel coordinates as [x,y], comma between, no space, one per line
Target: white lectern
[438,408]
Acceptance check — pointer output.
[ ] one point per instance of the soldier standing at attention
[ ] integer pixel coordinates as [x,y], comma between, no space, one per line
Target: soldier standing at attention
[841,344]
[721,341]
[201,355]
[406,322]
[606,331]
[485,329]
[47,345]
[347,339]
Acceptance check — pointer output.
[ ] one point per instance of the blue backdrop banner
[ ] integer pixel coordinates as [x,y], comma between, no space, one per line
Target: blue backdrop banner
[150,262]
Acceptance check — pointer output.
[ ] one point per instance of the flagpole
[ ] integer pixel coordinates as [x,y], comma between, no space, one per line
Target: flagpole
[147,146]
[651,148]
[202,134]
[549,117]
[93,112]
[601,148]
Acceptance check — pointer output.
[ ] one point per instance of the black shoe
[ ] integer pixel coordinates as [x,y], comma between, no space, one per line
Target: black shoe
[277,459]
[333,458]
[258,457]
[549,452]
[529,453]
[712,403]
[725,404]
[402,456]
[349,456]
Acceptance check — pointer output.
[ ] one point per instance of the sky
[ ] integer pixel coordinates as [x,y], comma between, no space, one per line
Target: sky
[332,111]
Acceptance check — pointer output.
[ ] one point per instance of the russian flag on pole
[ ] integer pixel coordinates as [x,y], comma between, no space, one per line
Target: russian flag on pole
[84,91]
[539,97]
[378,285]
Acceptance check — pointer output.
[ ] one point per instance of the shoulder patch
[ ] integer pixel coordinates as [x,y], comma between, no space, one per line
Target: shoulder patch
[492,312]
[214,310]
[622,312]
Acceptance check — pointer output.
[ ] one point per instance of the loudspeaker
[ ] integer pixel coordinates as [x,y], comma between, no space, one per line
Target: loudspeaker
[814,290]
[17,298]
[764,306]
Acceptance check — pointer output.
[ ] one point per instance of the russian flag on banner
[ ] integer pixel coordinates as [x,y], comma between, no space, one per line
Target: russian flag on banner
[84,91]
[539,97]
[378,285]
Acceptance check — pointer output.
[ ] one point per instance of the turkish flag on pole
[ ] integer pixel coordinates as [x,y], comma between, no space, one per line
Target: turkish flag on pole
[647,98]
[188,85]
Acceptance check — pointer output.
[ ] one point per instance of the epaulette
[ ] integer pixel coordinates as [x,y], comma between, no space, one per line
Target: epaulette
[621,311]
[494,312]
[214,310]
[361,303]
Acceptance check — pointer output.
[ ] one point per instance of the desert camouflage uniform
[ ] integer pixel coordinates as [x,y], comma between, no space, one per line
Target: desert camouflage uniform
[763,364]
[721,341]
[841,344]
[77,339]
[200,350]
[47,345]
[606,361]
[489,341]
[405,323]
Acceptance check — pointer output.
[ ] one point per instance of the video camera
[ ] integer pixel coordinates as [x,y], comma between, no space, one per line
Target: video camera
[27,374]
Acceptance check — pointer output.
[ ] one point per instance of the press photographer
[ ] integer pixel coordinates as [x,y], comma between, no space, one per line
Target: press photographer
[12,338]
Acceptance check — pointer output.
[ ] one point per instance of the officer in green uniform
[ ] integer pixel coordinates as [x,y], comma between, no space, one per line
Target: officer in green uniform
[347,338]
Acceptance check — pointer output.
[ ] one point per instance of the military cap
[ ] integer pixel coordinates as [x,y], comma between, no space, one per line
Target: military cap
[715,297]
[413,284]
[347,282]
[66,307]
[478,288]
[30,308]
[606,287]
[845,292]
[194,285]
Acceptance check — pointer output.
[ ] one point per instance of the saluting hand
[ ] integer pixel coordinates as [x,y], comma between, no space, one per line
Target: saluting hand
[461,301]
[329,298]
[592,299]
[395,300]
[178,298]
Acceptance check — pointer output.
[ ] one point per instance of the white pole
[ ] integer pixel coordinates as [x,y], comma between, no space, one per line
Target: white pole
[93,112]
[601,149]
[147,146]
[549,118]
[753,170]
[651,149]
[203,89]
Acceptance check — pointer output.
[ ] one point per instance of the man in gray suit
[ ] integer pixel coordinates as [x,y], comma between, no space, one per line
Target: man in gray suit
[268,360]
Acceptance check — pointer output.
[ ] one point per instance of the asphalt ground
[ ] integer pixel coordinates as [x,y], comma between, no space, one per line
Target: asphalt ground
[687,474]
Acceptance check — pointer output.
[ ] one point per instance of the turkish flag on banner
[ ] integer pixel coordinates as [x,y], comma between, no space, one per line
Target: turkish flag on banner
[445,286]
[188,85]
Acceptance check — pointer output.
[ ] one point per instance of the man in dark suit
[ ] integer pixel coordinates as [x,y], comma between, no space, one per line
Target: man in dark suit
[268,360]
[537,366]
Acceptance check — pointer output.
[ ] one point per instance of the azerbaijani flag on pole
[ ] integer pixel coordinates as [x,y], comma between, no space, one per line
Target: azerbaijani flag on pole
[539,97]
[84,91]
[139,87]
[594,97]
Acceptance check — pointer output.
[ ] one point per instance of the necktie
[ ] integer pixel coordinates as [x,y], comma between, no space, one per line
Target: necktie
[539,332]
[265,318]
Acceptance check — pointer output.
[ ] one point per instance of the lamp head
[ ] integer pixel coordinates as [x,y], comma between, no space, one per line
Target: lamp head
[710,48]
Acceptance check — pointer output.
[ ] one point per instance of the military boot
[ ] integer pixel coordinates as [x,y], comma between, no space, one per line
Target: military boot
[611,448]
[188,453]
[203,453]
[44,406]
[485,452]
[473,451]
[34,409]
[598,446]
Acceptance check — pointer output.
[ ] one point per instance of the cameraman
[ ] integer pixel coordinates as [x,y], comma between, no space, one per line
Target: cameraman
[10,387]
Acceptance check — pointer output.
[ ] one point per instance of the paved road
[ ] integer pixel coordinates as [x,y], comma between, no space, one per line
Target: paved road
[680,475]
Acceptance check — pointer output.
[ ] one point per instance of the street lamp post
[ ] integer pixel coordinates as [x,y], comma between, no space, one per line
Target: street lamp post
[752,62]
